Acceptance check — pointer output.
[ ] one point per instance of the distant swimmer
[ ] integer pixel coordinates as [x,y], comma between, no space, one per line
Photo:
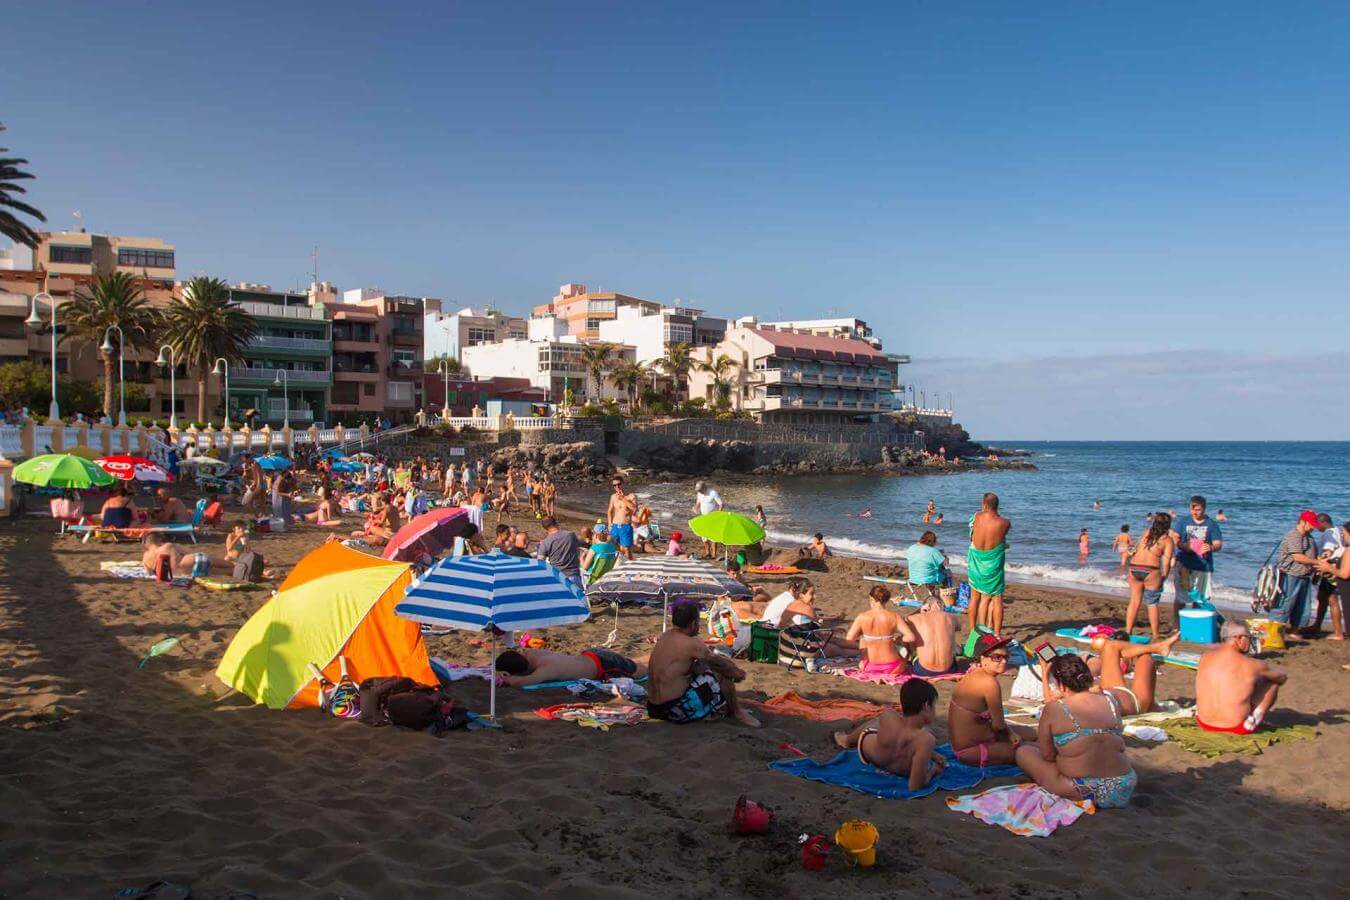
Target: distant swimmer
[1096,504]
[929,513]
[938,520]
[865,514]
[1220,517]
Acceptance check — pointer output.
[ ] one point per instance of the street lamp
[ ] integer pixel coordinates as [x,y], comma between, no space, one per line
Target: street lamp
[284,381]
[171,362]
[444,368]
[53,411]
[106,348]
[223,368]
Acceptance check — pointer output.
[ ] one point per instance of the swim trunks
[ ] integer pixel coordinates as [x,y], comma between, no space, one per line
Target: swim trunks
[1240,728]
[623,534]
[917,668]
[609,664]
[201,565]
[702,699]
[1151,598]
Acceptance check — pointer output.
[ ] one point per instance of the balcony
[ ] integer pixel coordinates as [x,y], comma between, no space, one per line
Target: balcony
[269,342]
[276,412]
[277,311]
[402,370]
[406,337]
[255,375]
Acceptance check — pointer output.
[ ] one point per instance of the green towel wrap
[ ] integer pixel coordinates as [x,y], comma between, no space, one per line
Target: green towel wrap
[984,568]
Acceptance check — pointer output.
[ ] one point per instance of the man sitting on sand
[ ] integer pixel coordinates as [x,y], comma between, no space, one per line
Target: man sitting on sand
[529,666]
[935,652]
[1233,691]
[171,509]
[901,744]
[688,681]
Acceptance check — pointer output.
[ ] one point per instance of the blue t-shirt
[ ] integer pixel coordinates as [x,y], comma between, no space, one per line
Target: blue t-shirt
[602,549]
[925,563]
[1190,530]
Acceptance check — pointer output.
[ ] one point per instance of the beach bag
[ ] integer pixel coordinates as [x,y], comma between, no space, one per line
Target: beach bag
[799,643]
[1027,685]
[763,643]
[1266,591]
[249,567]
[725,627]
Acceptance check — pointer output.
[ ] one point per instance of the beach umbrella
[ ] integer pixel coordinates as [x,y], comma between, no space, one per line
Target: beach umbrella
[133,468]
[665,578]
[431,533]
[204,461]
[727,528]
[61,470]
[494,591]
[271,463]
[348,465]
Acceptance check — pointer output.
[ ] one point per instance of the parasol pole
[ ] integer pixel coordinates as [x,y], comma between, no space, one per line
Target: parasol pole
[492,670]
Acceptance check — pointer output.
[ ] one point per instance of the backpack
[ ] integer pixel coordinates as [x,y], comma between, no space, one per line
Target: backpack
[403,702]
[1266,591]
[249,567]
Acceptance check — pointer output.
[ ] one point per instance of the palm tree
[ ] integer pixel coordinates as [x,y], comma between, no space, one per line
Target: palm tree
[206,325]
[719,369]
[626,377]
[114,301]
[678,361]
[596,358]
[11,226]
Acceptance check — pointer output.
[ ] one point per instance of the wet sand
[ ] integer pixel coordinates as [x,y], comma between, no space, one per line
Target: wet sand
[112,775]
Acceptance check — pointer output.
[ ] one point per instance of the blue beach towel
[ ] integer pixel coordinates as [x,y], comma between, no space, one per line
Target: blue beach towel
[846,770]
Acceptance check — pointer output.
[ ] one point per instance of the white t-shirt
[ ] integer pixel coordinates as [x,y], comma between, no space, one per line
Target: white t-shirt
[773,613]
[475,514]
[708,501]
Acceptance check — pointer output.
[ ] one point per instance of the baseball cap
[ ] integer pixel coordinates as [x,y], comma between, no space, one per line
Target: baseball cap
[676,536]
[1308,517]
[988,643]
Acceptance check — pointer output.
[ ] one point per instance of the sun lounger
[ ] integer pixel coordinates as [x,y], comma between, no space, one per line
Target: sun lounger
[137,532]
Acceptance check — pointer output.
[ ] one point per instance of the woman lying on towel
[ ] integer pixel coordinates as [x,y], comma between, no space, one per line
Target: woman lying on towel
[877,632]
[975,723]
[1079,752]
[1134,698]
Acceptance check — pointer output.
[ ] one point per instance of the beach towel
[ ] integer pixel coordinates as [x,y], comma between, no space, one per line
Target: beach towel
[1216,743]
[846,770]
[130,568]
[448,671]
[857,674]
[595,715]
[571,683]
[1028,810]
[590,689]
[791,703]
[984,568]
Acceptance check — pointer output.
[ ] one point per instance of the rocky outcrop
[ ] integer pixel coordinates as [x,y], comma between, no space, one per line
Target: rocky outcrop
[695,457]
[580,461]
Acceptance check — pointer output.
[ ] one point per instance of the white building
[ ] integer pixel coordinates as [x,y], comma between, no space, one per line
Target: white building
[552,363]
[652,331]
[447,334]
[786,376]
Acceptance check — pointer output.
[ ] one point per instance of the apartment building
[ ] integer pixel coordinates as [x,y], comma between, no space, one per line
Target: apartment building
[583,311]
[552,364]
[398,333]
[798,377]
[461,393]
[286,374]
[447,333]
[652,331]
[82,257]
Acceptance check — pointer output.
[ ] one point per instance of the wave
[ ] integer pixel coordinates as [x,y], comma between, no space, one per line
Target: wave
[885,553]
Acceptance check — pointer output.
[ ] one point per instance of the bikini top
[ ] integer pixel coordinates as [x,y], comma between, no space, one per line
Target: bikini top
[1079,731]
[982,716]
[880,637]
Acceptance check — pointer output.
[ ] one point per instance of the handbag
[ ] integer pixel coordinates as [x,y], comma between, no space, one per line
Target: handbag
[1266,591]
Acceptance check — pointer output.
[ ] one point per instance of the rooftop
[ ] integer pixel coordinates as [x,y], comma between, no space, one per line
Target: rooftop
[813,346]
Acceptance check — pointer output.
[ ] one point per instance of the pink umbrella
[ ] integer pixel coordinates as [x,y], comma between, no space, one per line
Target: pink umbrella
[129,468]
[430,533]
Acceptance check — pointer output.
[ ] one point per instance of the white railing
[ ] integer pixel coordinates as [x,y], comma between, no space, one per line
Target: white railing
[327,436]
[11,440]
[938,412]
[42,439]
[530,423]
[483,423]
[277,311]
[293,376]
[289,343]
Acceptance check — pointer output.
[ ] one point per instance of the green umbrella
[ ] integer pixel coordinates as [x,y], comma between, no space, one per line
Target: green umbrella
[729,528]
[61,470]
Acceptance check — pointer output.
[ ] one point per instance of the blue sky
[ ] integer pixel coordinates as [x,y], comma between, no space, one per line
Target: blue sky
[1059,188]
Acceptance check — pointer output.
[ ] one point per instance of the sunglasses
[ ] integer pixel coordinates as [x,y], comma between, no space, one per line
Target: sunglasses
[997,657]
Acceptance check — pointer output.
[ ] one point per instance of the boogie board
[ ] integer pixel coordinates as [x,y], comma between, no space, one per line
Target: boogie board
[1182,659]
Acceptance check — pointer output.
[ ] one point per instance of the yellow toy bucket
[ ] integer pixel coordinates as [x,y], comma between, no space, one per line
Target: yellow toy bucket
[858,838]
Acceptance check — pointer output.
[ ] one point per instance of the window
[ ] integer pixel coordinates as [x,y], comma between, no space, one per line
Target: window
[368,389]
[76,255]
[400,391]
[592,324]
[452,398]
[481,336]
[144,259]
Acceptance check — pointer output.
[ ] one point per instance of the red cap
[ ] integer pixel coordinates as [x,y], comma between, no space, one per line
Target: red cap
[988,643]
[676,536]
[1308,517]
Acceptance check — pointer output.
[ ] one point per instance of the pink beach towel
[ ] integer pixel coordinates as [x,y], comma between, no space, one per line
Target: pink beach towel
[1028,810]
[858,674]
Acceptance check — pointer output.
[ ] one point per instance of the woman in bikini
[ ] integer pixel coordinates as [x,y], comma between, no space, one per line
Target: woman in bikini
[1079,752]
[1138,696]
[877,632]
[1149,565]
[975,723]
[326,513]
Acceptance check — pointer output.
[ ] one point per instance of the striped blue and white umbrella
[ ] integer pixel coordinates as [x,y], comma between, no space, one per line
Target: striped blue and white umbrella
[474,593]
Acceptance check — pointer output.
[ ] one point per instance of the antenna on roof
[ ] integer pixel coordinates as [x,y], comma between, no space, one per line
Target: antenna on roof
[315,257]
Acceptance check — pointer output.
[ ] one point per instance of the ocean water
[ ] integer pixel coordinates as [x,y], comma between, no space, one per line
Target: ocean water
[1260,486]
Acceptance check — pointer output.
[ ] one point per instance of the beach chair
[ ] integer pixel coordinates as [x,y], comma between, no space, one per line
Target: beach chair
[67,512]
[137,532]
[798,643]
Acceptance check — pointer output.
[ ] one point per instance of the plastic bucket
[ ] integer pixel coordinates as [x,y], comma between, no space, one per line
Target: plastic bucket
[750,817]
[1199,626]
[858,838]
[815,851]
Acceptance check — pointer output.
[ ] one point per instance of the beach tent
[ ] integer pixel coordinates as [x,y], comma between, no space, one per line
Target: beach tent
[336,602]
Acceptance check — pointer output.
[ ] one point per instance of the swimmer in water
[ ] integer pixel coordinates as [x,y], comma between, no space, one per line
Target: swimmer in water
[1220,517]
[1096,504]
[938,520]
[1083,546]
[865,514]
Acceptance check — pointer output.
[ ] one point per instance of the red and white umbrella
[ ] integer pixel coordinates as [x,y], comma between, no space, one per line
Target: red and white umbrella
[133,468]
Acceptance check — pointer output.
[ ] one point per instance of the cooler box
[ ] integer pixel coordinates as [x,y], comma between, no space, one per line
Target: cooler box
[1199,626]
[763,644]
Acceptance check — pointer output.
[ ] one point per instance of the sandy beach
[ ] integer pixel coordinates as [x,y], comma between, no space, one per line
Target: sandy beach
[115,776]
